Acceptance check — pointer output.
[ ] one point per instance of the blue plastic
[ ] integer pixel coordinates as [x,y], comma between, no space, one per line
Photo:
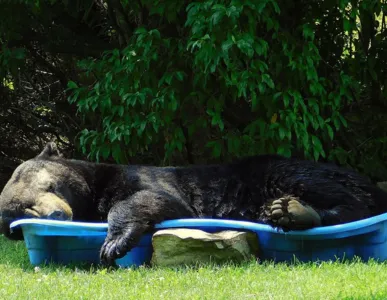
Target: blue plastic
[64,242]
[68,242]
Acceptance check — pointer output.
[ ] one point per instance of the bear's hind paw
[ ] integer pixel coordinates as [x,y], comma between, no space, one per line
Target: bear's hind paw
[289,214]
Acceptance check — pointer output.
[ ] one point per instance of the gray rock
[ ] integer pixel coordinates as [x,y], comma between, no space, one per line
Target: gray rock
[173,247]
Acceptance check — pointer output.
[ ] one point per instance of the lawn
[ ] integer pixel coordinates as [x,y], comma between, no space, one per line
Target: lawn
[328,280]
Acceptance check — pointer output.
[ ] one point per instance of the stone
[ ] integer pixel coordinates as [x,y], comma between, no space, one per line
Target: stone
[172,247]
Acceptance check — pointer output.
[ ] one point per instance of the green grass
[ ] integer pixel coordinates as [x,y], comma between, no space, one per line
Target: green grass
[328,280]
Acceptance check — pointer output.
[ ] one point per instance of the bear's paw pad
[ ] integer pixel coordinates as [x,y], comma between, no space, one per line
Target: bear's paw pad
[288,213]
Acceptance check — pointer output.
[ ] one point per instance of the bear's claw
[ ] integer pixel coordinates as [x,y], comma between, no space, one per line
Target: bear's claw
[111,250]
[119,242]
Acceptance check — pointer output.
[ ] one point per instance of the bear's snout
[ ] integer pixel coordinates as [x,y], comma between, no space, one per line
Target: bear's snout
[58,215]
[50,206]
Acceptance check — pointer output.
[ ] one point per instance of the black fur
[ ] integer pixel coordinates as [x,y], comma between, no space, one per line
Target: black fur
[135,198]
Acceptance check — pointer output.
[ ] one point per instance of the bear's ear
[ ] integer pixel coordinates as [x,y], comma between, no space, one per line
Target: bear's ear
[51,149]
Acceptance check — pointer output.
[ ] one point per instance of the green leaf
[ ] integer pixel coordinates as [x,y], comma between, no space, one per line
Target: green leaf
[105,151]
[217,16]
[330,131]
[267,79]
[261,47]
[168,78]
[216,148]
[120,111]
[155,126]
[261,88]
[173,101]
[245,47]
[343,121]
[226,45]
[308,32]
[155,33]
[282,133]
[336,122]
[254,100]
[180,76]
[72,85]
[286,99]
[316,155]
[284,150]
[317,144]
[305,140]
[140,30]
[277,95]
[141,129]
[347,25]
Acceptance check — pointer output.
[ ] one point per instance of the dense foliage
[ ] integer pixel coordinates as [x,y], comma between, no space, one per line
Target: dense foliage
[168,82]
[233,73]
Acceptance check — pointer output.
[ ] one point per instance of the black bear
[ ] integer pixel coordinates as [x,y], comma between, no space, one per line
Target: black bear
[287,193]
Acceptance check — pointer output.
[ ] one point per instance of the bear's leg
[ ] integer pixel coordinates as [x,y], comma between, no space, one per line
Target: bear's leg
[344,214]
[128,220]
[289,213]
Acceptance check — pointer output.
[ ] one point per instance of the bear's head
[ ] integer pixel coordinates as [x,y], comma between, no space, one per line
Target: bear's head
[47,186]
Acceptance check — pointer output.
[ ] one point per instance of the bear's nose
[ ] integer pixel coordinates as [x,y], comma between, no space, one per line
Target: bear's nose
[57,215]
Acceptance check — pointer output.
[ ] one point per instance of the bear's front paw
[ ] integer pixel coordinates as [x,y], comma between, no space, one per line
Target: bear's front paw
[289,214]
[121,238]
[113,248]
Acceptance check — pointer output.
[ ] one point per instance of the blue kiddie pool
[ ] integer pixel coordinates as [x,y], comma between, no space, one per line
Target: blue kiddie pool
[66,242]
